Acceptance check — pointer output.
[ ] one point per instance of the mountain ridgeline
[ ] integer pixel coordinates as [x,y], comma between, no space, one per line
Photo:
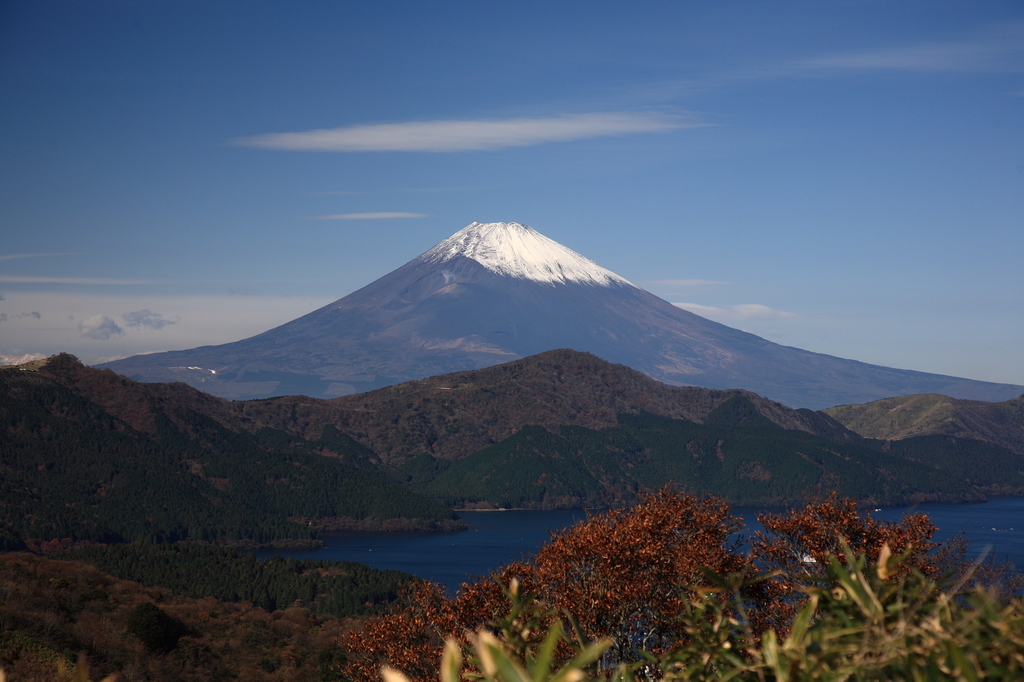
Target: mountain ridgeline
[455,415]
[92,457]
[567,429]
[497,292]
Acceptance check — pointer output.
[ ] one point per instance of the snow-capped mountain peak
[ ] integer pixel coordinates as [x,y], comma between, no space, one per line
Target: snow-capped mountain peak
[520,251]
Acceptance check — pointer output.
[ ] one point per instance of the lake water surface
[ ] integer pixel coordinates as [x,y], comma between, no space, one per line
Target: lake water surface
[497,538]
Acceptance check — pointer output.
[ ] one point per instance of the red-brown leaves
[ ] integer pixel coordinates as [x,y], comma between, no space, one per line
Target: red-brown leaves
[409,639]
[799,543]
[624,573]
[627,573]
[621,574]
[808,536]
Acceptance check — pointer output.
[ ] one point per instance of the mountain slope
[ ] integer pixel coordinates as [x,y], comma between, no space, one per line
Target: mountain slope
[73,470]
[1001,423]
[454,415]
[754,465]
[500,291]
[92,455]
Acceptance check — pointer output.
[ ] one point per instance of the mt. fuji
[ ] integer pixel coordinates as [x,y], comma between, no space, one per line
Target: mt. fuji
[495,292]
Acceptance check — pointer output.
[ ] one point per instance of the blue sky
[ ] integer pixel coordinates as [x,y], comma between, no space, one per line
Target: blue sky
[845,177]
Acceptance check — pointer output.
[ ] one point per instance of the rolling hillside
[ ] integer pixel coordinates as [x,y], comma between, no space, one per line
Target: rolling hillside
[1000,423]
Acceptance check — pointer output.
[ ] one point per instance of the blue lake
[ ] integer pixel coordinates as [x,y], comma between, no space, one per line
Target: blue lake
[497,538]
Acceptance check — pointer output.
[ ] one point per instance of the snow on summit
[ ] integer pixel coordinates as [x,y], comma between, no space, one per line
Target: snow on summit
[520,251]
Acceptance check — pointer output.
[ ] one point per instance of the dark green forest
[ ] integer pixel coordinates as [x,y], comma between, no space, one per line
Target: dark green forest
[758,463]
[990,467]
[72,471]
[336,588]
[87,456]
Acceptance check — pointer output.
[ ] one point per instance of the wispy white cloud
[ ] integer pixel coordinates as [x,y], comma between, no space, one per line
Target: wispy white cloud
[458,136]
[99,328]
[367,216]
[32,279]
[146,318]
[13,256]
[991,49]
[688,282]
[743,311]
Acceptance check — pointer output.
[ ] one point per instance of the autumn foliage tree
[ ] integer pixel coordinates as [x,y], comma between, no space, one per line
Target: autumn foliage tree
[798,545]
[626,574]
[623,574]
[631,576]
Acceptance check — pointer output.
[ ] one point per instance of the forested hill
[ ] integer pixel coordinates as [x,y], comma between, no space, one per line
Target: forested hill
[756,464]
[498,436]
[337,588]
[123,621]
[455,415]
[90,456]
[937,415]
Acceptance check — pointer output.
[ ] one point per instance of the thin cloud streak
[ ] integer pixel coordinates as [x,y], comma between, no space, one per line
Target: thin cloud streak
[939,58]
[998,49]
[688,282]
[743,311]
[367,216]
[993,49]
[30,279]
[459,136]
[13,256]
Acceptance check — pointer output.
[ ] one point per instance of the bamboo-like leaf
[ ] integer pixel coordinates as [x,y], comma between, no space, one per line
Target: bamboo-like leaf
[884,555]
[568,674]
[772,656]
[967,670]
[506,669]
[856,587]
[803,619]
[485,644]
[391,675]
[592,652]
[542,664]
[451,661]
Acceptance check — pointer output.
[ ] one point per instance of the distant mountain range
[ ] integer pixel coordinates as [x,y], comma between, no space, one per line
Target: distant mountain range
[500,291]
